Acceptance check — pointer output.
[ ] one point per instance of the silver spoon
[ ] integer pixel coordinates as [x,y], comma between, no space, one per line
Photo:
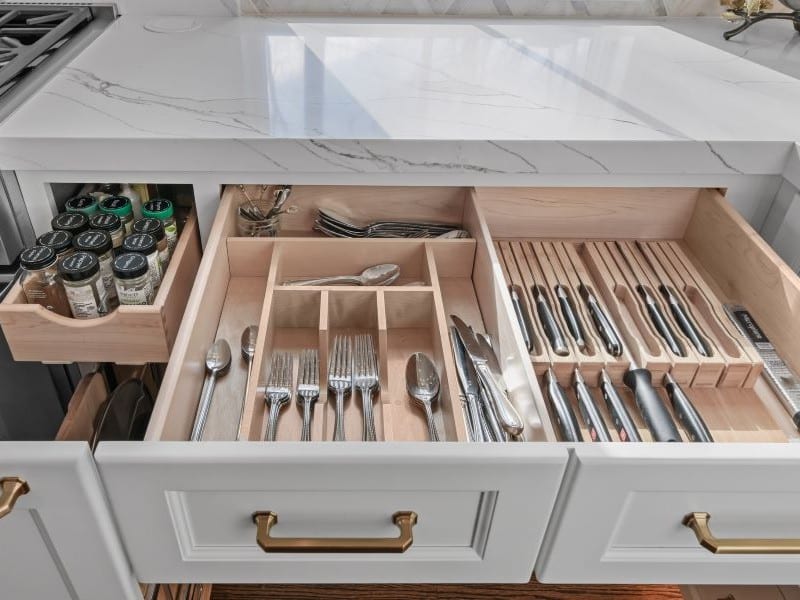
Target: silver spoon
[422,382]
[218,361]
[249,336]
[385,274]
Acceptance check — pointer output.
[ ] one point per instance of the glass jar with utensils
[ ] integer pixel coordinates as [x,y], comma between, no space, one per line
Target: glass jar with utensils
[261,216]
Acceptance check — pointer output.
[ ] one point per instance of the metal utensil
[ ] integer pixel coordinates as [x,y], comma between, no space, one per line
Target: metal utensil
[384,274]
[685,411]
[365,378]
[218,361]
[598,432]
[507,415]
[249,336]
[620,417]
[308,388]
[468,379]
[281,196]
[422,382]
[278,392]
[548,320]
[340,381]
[523,316]
[601,321]
[565,416]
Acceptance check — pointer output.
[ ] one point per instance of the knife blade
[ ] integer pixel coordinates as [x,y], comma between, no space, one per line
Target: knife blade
[551,328]
[469,384]
[686,412]
[598,432]
[506,414]
[601,321]
[523,316]
[565,416]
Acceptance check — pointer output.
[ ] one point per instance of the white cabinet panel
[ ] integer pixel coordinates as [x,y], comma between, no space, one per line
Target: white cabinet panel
[185,509]
[619,520]
[59,541]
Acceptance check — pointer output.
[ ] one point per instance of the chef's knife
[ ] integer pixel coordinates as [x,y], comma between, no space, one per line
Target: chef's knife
[523,316]
[551,328]
[506,413]
[598,432]
[565,416]
[686,412]
[620,417]
[570,316]
[469,385]
[601,321]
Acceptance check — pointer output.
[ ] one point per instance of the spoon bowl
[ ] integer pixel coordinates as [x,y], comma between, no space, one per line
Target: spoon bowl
[384,274]
[249,336]
[422,383]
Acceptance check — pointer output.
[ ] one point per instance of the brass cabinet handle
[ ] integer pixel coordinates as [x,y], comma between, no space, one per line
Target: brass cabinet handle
[11,488]
[405,520]
[698,522]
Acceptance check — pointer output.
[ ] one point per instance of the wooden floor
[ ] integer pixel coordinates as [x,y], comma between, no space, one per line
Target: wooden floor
[529,591]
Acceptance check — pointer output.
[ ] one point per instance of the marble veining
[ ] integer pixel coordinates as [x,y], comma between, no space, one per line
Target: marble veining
[474,97]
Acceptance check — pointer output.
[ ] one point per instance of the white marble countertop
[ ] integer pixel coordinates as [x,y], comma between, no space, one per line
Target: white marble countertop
[399,96]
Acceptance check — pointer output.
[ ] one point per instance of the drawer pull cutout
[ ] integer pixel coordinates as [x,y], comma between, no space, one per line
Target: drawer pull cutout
[405,520]
[12,488]
[698,522]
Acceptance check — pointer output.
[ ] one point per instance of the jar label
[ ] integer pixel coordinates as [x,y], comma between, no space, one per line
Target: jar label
[83,301]
[154,269]
[107,275]
[171,232]
[134,295]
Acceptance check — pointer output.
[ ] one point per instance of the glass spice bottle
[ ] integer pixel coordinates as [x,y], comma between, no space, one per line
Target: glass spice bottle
[99,243]
[112,225]
[162,209]
[120,206]
[75,223]
[155,228]
[86,293]
[40,281]
[132,279]
[59,241]
[86,205]
[146,244]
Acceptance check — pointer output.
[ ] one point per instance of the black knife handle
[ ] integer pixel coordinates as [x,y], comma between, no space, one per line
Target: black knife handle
[570,316]
[523,317]
[685,323]
[655,414]
[602,323]
[549,323]
[687,414]
[660,323]
[620,417]
[565,416]
[598,432]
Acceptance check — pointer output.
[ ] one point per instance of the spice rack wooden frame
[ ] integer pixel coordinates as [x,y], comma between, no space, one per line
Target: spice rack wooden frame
[127,335]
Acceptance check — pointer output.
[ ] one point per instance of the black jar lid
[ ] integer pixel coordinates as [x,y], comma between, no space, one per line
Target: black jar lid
[75,223]
[150,225]
[143,243]
[37,257]
[57,240]
[78,266]
[130,265]
[116,205]
[81,203]
[105,222]
[93,240]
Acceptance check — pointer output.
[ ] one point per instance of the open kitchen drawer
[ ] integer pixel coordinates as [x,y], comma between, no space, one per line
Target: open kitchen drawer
[128,335]
[185,509]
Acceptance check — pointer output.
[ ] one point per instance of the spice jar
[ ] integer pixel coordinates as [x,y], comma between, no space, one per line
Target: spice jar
[112,225]
[86,205]
[99,243]
[86,293]
[132,279]
[144,243]
[75,223]
[155,228]
[40,281]
[120,206]
[163,210]
[59,241]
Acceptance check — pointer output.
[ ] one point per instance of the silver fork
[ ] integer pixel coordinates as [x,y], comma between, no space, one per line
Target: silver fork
[365,378]
[340,380]
[308,388]
[279,390]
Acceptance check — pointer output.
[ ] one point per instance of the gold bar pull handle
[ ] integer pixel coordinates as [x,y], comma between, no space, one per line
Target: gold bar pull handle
[698,522]
[405,521]
[11,488]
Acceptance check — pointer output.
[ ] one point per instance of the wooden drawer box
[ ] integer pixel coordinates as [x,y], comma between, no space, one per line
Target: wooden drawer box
[184,509]
[128,335]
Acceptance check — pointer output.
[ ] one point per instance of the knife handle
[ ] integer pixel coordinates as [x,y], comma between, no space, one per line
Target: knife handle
[565,416]
[523,318]
[493,432]
[685,323]
[603,325]
[660,322]
[475,418]
[598,432]
[570,316]
[687,414]
[620,417]
[655,414]
[549,323]
[507,415]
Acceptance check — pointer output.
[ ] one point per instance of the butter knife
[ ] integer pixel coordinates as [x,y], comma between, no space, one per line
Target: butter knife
[469,386]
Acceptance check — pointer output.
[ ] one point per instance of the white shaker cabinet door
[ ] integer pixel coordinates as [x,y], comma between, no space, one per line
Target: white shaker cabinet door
[58,541]
[620,516]
[185,510]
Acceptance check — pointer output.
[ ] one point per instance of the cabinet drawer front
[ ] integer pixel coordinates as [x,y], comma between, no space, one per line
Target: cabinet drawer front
[59,540]
[632,532]
[185,510]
